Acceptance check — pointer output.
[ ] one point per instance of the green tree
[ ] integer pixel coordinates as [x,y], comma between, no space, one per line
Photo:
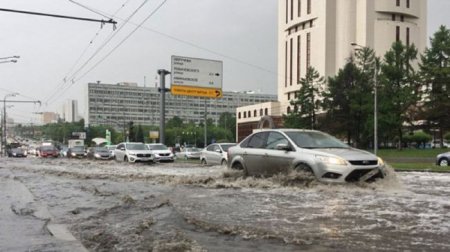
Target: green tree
[140,134]
[308,102]
[435,70]
[399,89]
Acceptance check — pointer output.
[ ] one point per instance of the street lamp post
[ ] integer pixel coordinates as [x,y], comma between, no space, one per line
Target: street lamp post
[375,103]
[10,59]
[4,122]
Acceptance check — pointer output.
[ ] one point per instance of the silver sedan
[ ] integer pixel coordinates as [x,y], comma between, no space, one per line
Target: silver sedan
[268,152]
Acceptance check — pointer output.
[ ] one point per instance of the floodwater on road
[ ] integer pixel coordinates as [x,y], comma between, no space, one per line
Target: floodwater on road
[111,206]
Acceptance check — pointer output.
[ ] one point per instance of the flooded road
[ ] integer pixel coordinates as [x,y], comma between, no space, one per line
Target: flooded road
[111,206]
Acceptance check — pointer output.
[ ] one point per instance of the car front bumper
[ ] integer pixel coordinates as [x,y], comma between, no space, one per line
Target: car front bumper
[350,173]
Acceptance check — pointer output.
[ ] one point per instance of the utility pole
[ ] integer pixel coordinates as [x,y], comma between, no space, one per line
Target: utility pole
[162,115]
[110,21]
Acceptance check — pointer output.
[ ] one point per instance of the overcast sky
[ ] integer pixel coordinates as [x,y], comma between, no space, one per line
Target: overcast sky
[57,56]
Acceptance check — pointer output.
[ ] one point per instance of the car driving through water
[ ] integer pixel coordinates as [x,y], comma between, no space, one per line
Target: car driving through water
[271,151]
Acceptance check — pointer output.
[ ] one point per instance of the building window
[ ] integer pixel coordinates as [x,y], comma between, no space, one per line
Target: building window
[287,11]
[308,49]
[292,9]
[397,34]
[398,2]
[407,3]
[245,114]
[261,112]
[308,6]
[290,62]
[299,8]
[298,58]
[393,17]
[402,18]
[288,110]
[255,114]
[407,36]
[266,111]
[286,62]
[249,114]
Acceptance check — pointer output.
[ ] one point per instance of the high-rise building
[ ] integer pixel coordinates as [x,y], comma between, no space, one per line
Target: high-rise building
[320,33]
[70,111]
[118,104]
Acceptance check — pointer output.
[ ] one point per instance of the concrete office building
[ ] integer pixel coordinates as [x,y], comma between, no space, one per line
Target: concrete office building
[319,33]
[118,104]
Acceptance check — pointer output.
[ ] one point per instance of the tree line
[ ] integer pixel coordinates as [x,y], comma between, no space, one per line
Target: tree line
[177,131]
[413,92]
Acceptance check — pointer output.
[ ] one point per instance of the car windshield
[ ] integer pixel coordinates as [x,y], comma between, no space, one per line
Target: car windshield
[78,148]
[137,146]
[225,147]
[192,149]
[47,148]
[315,140]
[101,149]
[158,147]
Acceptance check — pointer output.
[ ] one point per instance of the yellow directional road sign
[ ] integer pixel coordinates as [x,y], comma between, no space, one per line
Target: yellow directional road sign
[196,91]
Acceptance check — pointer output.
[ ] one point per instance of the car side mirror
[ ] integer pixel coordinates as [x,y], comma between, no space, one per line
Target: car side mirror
[122,148]
[218,151]
[284,147]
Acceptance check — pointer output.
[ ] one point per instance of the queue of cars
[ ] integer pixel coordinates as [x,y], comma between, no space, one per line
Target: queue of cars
[264,153]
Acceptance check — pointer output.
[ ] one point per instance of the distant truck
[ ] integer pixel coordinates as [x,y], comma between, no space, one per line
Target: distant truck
[75,142]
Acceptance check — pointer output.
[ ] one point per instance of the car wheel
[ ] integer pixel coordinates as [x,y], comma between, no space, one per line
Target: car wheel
[305,169]
[125,159]
[239,166]
[443,162]
[224,162]
[204,162]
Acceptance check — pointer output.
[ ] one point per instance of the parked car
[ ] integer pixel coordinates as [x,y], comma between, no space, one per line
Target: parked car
[189,153]
[215,154]
[111,149]
[17,152]
[76,152]
[48,151]
[133,152]
[98,153]
[443,159]
[268,152]
[161,152]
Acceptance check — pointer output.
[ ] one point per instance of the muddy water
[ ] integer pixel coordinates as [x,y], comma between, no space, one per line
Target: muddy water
[185,207]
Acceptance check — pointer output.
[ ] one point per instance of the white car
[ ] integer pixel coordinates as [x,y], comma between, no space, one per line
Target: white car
[215,154]
[161,152]
[133,152]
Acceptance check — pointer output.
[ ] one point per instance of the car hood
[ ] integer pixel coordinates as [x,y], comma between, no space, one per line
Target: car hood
[349,154]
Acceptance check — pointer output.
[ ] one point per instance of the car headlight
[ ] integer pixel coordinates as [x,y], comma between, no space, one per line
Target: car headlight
[380,162]
[73,154]
[331,160]
[131,153]
[97,155]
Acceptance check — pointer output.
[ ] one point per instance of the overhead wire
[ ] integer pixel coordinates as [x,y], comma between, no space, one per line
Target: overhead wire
[107,40]
[116,47]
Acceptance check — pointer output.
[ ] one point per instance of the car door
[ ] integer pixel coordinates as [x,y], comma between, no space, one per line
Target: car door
[215,154]
[119,152]
[277,160]
[253,154]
